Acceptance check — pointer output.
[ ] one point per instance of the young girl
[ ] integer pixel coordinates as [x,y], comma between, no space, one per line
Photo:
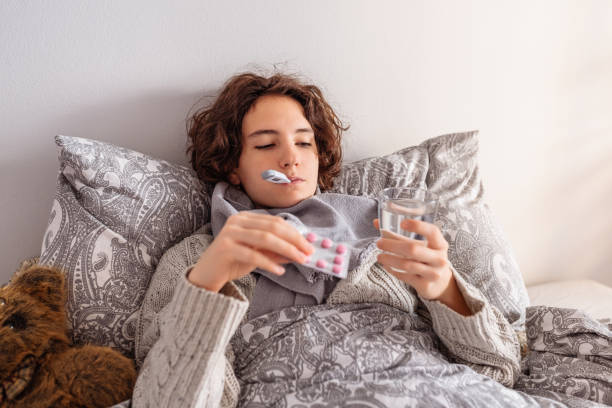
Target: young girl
[214,289]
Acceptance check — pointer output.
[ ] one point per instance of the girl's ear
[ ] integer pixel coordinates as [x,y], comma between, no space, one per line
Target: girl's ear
[234,178]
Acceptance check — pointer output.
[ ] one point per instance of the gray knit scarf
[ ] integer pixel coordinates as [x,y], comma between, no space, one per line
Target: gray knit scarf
[340,217]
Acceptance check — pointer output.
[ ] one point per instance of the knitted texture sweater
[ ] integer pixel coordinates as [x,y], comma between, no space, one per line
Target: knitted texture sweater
[183,335]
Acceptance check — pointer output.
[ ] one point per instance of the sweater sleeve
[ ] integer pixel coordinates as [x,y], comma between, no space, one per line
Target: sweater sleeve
[485,341]
[186,367]
[179,327]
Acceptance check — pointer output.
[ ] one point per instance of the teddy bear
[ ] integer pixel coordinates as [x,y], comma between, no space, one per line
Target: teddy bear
[39,367]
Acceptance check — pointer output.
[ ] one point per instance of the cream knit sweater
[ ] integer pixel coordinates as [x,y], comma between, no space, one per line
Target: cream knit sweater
[184,331]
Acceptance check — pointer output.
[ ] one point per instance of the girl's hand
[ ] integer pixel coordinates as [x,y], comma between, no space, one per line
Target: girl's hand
[424,264]
[248,241]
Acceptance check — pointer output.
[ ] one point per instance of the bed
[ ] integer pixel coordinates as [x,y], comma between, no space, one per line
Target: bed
[116,211]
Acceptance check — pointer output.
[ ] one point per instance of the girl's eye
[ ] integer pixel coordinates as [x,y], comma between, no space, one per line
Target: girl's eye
[268,145]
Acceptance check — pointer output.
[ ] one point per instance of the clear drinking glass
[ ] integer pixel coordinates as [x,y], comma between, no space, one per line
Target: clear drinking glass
[396,204]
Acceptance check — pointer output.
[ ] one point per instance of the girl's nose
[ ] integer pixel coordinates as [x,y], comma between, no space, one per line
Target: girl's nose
[289,158]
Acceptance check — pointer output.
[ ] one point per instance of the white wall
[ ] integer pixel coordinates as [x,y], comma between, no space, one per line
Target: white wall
[534,76]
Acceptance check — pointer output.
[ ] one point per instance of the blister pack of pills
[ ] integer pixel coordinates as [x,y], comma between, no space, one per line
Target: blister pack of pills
[329,257]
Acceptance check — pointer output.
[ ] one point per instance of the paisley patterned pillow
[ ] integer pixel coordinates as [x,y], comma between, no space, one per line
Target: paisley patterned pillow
[115,212]
[478,248]
[406,167]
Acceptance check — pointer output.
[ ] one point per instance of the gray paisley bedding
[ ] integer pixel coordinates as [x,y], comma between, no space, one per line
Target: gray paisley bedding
[570,355]
[373,355]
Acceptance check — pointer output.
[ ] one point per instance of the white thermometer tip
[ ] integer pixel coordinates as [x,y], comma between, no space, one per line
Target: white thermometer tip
[274,176]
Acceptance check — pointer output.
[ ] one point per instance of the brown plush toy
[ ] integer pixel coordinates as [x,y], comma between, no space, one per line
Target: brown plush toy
[39,367]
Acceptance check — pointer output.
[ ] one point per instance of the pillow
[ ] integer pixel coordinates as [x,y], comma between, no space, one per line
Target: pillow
[478,248]
[115,212]
[404,168]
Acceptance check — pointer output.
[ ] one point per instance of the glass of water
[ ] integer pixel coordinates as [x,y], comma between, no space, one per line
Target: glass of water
[396,204]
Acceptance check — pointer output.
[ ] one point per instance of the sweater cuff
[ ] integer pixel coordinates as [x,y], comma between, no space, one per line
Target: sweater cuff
[471,329]
[229,289]
[198,318]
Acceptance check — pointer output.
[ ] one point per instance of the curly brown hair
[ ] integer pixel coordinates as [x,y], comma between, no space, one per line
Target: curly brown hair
[215,132]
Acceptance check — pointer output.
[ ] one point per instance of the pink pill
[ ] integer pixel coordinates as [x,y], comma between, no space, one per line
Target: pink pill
[340,249]
[311,237]
[337,269]
[326,243]
[321,263]
[338,260]
[307,259]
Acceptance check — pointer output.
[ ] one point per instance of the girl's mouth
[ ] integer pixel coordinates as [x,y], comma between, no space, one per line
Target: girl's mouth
[294,181]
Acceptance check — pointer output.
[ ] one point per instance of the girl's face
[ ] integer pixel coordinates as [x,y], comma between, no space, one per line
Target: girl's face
[276,135]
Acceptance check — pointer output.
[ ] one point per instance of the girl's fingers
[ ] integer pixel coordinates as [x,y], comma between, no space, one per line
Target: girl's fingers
[264,240]
[431,232]
[253,257]
[279,259]
[393,235]
[413,280]
[413,250]
[410,267]
[277,226]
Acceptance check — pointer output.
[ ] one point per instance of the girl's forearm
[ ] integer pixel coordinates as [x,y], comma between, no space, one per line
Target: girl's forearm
[453,298]
[203,280]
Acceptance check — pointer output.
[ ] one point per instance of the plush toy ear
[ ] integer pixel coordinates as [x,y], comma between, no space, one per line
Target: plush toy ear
[43,283]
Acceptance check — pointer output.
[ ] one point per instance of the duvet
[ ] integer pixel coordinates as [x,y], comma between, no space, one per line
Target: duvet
[373,355]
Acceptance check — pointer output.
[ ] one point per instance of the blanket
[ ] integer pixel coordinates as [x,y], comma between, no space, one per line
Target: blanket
[373,355]
[570,356]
